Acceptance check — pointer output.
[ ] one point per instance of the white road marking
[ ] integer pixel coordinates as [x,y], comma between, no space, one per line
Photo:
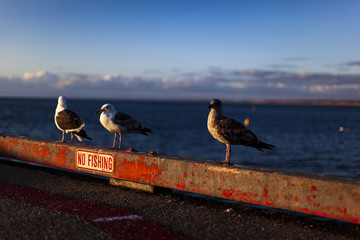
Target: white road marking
[130,217]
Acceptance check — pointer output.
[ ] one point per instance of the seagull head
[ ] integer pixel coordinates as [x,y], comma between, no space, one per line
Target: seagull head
[106,108]
[62,102]
[215,104]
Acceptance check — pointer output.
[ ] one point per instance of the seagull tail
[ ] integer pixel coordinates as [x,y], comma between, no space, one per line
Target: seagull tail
[262,145]
[81,135]
[146,130]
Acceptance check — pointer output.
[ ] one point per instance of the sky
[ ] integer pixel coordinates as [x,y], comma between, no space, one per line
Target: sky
[172,49]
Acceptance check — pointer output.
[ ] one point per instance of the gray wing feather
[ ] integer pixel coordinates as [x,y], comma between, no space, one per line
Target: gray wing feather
[68,119]
[119,116]
[127,121]
[236,133]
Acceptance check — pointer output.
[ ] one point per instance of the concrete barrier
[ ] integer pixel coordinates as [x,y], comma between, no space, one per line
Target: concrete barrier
[331,197]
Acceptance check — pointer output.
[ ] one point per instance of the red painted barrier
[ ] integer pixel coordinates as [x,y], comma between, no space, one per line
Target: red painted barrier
[332,197]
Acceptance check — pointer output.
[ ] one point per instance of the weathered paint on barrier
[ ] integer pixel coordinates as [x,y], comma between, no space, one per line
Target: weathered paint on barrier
[331,197]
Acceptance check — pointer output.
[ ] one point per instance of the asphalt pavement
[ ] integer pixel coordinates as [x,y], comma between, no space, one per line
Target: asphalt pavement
[43,203]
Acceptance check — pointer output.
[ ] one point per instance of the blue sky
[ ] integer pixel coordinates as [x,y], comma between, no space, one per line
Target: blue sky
[181,49]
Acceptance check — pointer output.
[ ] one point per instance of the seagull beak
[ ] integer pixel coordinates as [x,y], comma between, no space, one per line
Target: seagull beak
[99,111]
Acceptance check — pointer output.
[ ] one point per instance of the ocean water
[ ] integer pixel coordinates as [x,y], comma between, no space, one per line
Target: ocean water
[307,138]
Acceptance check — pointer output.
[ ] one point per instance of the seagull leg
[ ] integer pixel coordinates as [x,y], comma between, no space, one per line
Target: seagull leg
[114,141]
[72,136]
[227,158]
[228,151]
[120,138]
[63,136]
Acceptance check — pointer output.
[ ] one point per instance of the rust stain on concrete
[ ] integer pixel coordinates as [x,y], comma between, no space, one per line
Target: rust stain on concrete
[313,194]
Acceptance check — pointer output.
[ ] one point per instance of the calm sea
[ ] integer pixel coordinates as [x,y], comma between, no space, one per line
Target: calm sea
[308,138]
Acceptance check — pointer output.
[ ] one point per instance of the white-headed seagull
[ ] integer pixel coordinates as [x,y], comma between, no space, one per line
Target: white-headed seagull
[119,123]
[68,121]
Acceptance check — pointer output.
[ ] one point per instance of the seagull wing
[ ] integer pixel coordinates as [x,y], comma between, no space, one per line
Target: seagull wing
[127,121]
[68,119]
[119,117]
[236,133]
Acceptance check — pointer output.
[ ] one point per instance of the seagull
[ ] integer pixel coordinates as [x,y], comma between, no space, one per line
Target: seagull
[231,132]
[68,121]
[119,123]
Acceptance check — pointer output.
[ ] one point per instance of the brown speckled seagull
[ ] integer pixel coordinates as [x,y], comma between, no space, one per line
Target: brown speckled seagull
[231,132]
[119,123]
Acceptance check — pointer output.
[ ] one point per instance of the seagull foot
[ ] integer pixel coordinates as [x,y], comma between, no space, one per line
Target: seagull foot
[152,153]
[131,150]
[223,163]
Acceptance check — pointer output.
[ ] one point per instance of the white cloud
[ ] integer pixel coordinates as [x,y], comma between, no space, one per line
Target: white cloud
[226,83]
[28,76]
[280,85]
[109,77]
[333,87]
[237,85]
[276,85]
[42,76]
[319,88]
